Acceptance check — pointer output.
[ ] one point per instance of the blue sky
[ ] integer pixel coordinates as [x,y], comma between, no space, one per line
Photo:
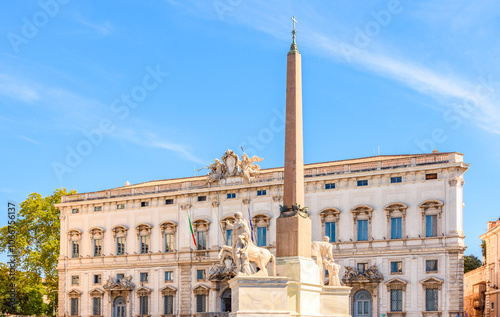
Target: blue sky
[172,84]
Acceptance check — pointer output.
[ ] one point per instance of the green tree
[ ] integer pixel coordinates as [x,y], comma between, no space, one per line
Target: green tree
[37,231]
[483,250]
[471,262]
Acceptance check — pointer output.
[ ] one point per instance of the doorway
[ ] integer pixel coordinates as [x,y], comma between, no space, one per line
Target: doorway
[119,307]
[362,304]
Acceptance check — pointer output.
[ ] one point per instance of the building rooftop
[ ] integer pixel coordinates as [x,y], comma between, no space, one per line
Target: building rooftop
[372,163]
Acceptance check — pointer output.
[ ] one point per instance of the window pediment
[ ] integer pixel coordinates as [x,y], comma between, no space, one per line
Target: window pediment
[201,224]
[143,291]
[96,293]
[143,229]
[230,219]
[168,227]
[168,290]
[431,205]
[396,283]
[75,234]
[396,207]
[119,231]
[432,282]
[96,232]
[362,212]
[329,214]
[74,293]
[261,220]
[201,290]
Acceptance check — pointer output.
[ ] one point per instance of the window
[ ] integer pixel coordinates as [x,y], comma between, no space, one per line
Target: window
[362,267]
[431,299]
[231,195]
[75,249]
[396,300]
[98,208]
[431,176]
[144,244]
[431,226]
[362,230]
[229,237]
[169,201]
[97,247]
[75,211]
[201,303]
[120,245]
[397,267]
[120,206]
[330,186]
[396,228]
[202,198]
[492,305]
[431,266]
[363,182]
[261,192]
[96,306]
[144,277]
[119,277]
[169,242]
[201,240]
[74,306]
[330,230]
[168,304]
[143,305]
[397,179]
[97,278]
[168,276]
[75,280]
[200,274]
[144,203]
[261,236]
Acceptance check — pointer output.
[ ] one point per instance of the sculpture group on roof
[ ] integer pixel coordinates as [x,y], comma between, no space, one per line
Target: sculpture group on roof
[231,165]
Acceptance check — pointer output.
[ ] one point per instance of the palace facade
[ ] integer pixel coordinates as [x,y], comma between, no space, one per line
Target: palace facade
[395,223]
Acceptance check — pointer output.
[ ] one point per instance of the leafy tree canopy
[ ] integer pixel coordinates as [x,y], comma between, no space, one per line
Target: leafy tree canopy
[471,262]
[36,245]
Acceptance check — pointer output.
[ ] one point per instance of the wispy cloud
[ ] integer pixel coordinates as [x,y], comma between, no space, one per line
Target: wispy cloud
[445,86]
[25,138]
[15,89]
[103,28]
[150,139]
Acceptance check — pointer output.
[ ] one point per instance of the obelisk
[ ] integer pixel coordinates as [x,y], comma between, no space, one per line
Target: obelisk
[293,227]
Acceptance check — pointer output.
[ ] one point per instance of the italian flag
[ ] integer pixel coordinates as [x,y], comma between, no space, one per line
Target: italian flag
[191,227]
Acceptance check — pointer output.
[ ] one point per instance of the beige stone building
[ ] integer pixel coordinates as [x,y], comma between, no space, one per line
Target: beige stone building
[395,223]
[481,286]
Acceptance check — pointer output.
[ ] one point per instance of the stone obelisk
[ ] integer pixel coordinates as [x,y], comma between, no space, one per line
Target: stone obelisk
[293,226]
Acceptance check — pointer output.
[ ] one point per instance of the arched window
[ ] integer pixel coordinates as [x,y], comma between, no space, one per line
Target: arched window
[120,237]
[330,223]
[75,236]
[431,217]
[168,229]
[96,238]
[200,228]
[396,220]
[226,300]
[144,235]
[362,215]
[261,224]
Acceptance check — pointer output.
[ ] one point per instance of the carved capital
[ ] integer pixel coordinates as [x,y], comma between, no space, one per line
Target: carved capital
[277,198]
[246,201]
[185,206]
[456,182]
[215,203]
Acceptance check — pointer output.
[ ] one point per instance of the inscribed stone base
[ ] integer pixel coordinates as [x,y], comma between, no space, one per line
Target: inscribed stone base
[259,296]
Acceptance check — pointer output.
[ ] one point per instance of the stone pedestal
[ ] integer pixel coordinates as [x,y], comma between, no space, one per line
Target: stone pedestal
[296,291]
[259,296]
[293,236]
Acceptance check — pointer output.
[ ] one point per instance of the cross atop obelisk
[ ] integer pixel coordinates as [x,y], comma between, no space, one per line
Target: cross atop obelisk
[293,47]
[293,225]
